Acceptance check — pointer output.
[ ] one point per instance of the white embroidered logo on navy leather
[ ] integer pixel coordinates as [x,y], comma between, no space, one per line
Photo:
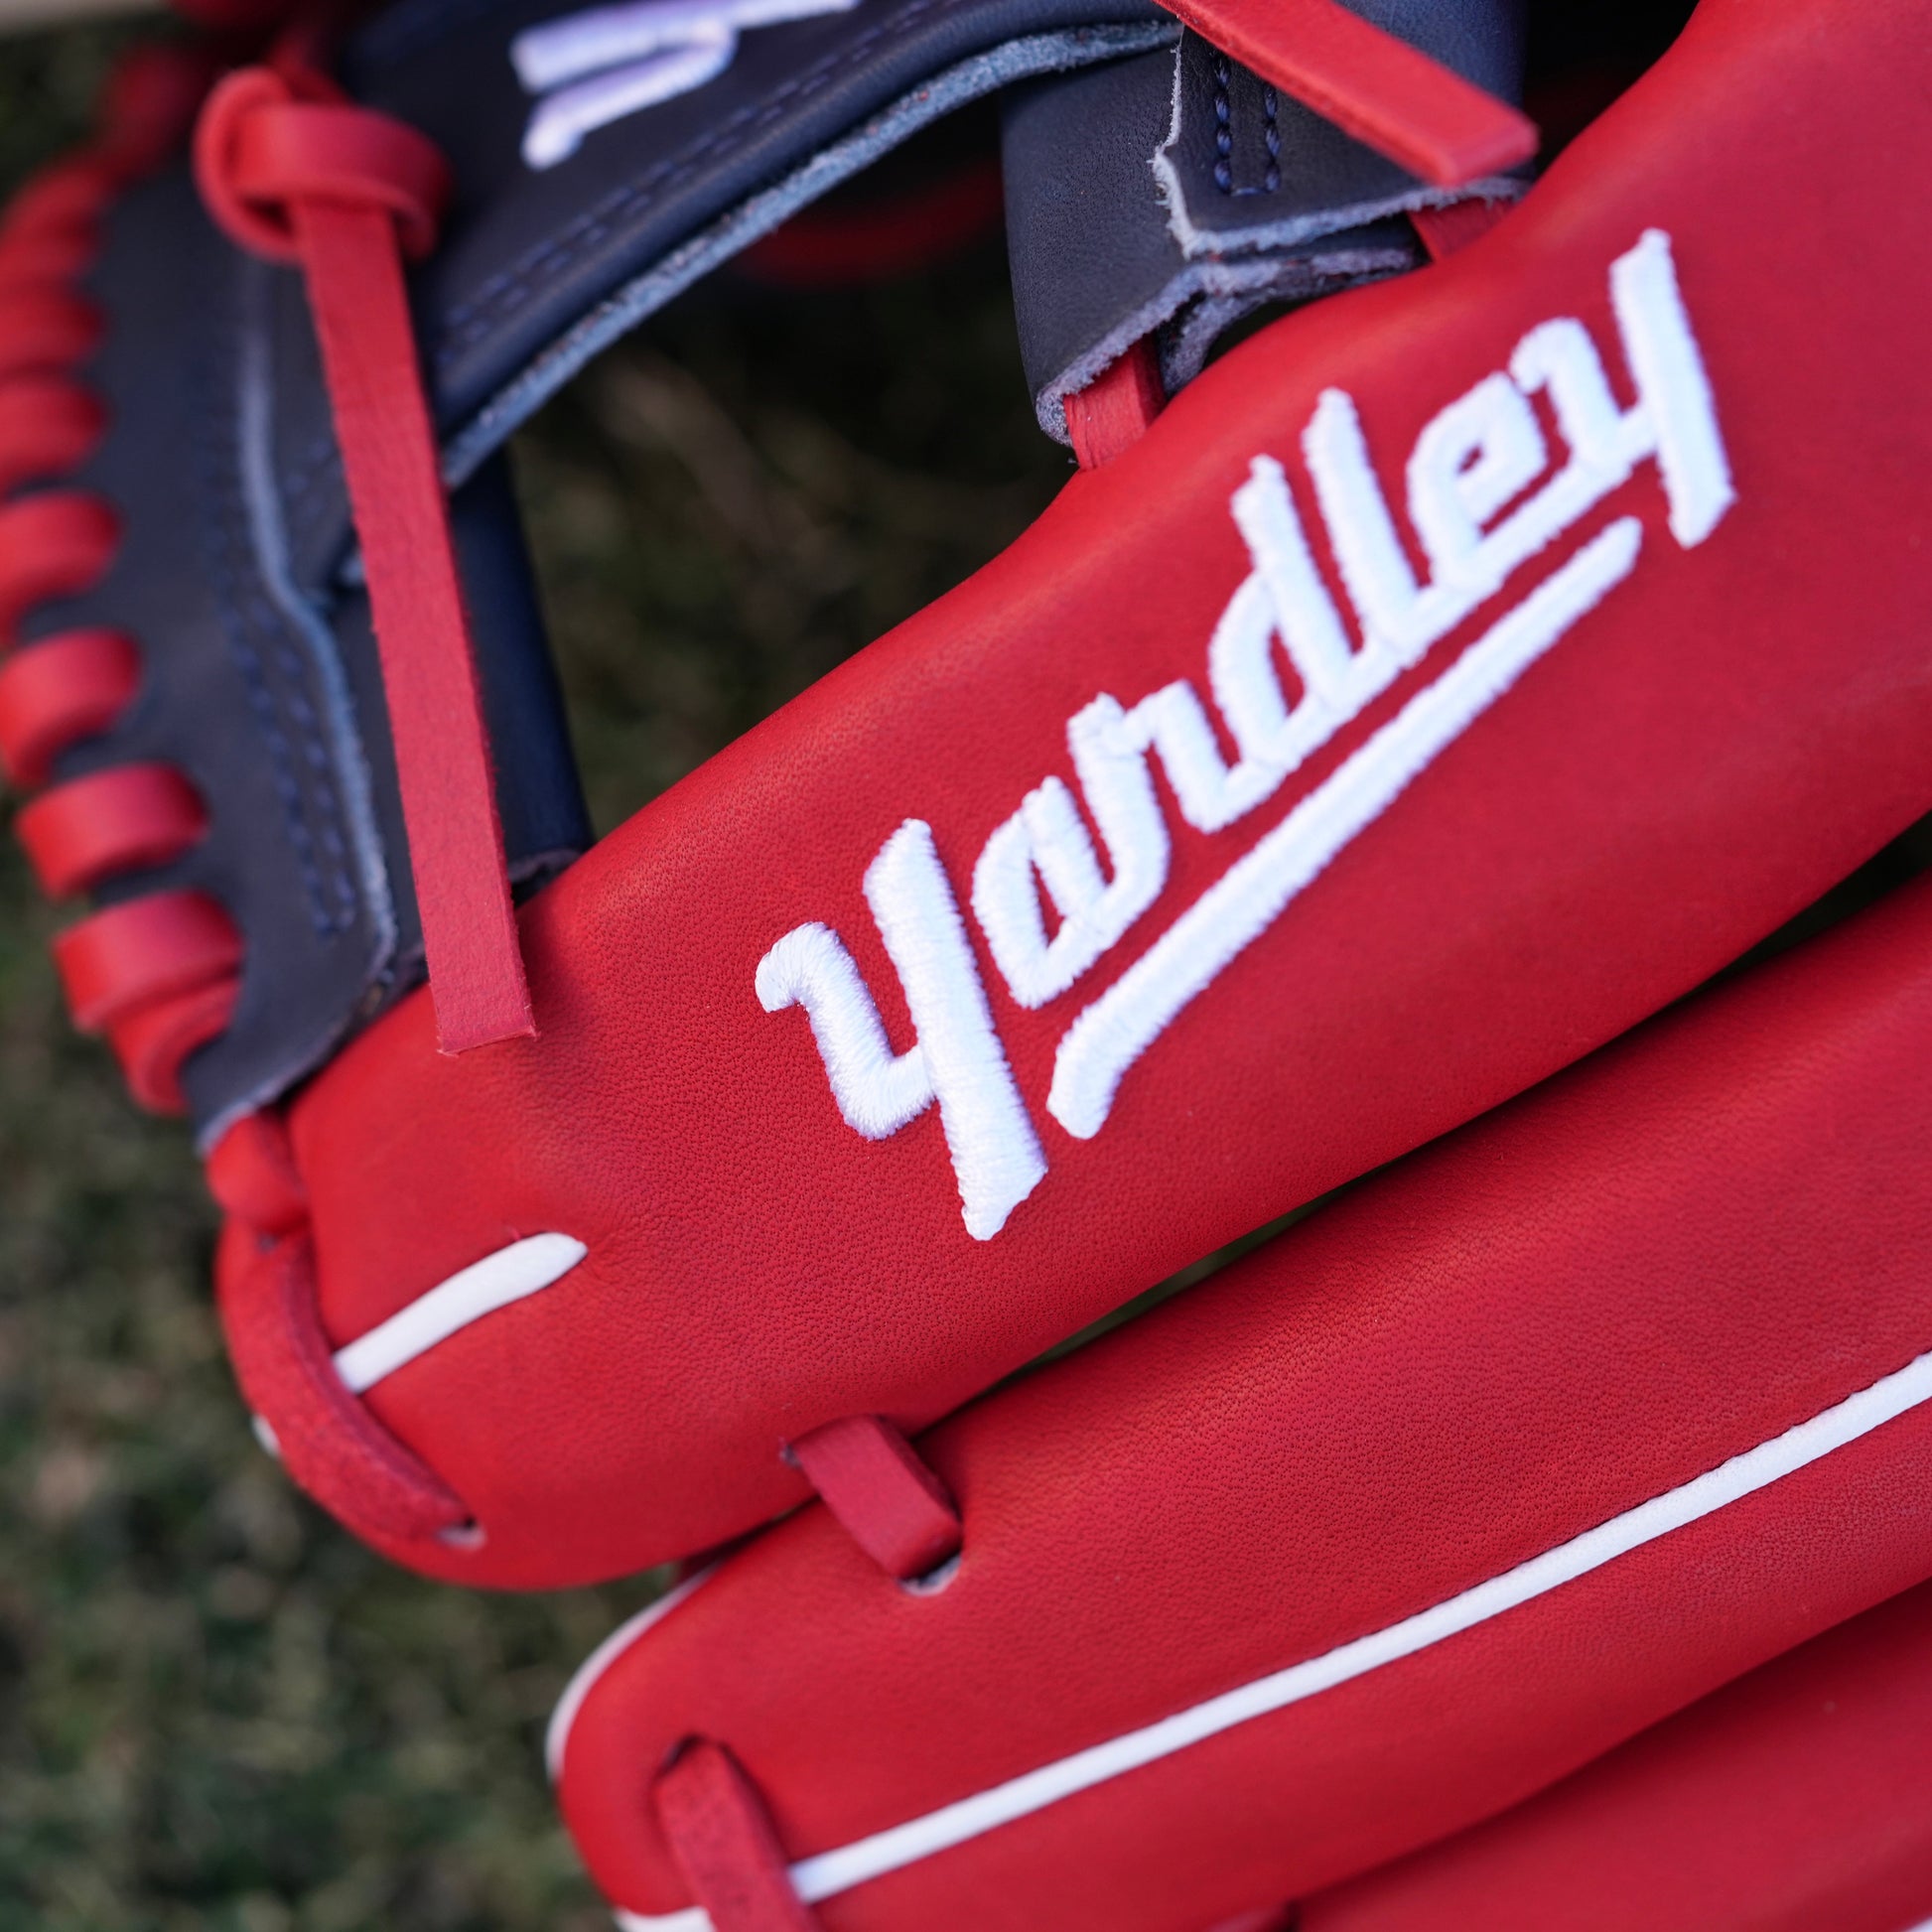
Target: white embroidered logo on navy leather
[606,63]
[1473,460]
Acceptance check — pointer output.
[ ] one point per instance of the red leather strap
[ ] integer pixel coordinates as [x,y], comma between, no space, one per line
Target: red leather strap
[1114,410]
[148,949]
[118,820]
[724,1844]
[67,195]
[251,1174]
[153,1042]
[47,427]
[55,692]
[328,1440]
[53,545]
[39,257]
[884,1496]
[44,329]
[1445,230]
[1372,85]
[346,192]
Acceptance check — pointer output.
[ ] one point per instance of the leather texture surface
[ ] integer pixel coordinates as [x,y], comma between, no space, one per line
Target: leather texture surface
[1177,191]
[1706,1235]
[1791,1801]
[1730,730]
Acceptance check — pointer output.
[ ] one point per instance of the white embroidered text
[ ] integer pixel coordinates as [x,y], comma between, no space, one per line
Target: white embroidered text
[1472,462]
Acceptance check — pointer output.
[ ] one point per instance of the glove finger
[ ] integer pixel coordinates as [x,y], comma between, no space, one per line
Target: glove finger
[1512,1451]
[1790,1801]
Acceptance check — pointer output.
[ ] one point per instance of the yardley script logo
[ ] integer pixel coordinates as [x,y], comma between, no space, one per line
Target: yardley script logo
[1468,463]
[607,63]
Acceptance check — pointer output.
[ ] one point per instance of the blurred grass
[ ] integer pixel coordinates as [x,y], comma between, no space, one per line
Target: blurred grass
[218,1714]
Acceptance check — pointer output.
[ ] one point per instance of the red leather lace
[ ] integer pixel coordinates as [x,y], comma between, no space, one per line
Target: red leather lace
[883,1493]
[722,1839]
[295,174]
[157,974]
[264,1273]
[1388,95]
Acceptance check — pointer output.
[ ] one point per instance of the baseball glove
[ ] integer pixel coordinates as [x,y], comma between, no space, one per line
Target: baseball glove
[1389,715]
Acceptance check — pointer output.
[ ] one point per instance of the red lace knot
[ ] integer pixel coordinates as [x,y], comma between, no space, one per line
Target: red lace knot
[57,692]
[159,976]
[66,197]
[48,426]
[56,544]
[268,144]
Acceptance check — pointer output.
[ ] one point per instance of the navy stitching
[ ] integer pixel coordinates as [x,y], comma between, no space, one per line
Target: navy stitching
[321,774]
[1271,135]
[1223,128]
[305,505]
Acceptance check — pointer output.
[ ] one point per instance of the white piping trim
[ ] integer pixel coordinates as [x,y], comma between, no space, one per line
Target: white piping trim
[831,1872]
[482,1289]
[556,1739]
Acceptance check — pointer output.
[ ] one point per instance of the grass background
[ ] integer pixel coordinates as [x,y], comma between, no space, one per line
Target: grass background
[216,1712]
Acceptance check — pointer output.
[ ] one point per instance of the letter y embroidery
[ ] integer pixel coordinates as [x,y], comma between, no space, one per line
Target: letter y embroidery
[957,1059]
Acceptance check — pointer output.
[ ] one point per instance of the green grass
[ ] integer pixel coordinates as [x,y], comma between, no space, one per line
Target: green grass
[217,1712]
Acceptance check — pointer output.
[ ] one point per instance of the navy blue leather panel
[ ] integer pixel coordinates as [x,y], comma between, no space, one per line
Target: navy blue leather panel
[243,687]
[1173,193]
